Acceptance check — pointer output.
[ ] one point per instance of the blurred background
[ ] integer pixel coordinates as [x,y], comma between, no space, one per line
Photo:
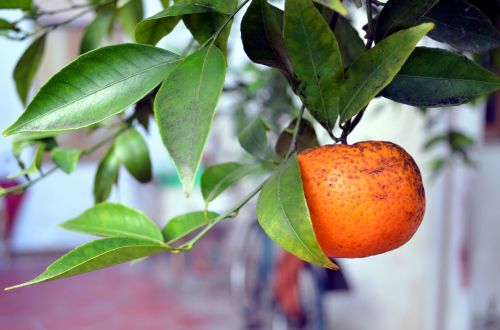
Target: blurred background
[446,277]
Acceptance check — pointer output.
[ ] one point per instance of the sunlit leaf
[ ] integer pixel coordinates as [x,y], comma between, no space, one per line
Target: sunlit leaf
[335,5]
[185,224]
[66,158]
[16,4]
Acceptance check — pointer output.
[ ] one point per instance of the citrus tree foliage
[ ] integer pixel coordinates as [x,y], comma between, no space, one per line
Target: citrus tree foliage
[331,69]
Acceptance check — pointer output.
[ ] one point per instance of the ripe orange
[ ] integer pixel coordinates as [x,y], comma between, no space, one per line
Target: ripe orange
[364,199]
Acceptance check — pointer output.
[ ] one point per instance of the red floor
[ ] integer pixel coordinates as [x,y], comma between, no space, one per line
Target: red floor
[142,296]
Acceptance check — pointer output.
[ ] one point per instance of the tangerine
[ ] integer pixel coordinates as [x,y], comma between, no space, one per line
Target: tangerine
[364,199]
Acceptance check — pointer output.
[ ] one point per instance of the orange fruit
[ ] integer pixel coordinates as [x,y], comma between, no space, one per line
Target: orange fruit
[364,199]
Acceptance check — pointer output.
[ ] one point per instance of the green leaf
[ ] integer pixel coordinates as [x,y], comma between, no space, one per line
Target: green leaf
[96,255]
[283,214]
[130,15]
[35,165]
[253,139]
[66,158]
[400,14]
[216,179]
[436,77]
[463,26]
[351,45]
[96,86]
[16,4]
[185,224]
[262,37]
[27,67]
[106,175]
[306,137]
[132,151]
[96,31]
[335,5]
[185,106]
[115,220]
[376,68]
[6,25]
[221,6]
[315,57]
[153,29]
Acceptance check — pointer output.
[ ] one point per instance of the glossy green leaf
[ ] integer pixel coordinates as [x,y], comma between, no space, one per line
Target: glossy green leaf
[130,15]
[262,37]
[283,214]
[115,220]
[96,86]
[306,138]
[253,139]
[95,255]
[66,158]
[436,77]
[153,29]
[335,5]
[315,57]
[16,4]
[350,44]
[217,178]
[185,224]
[35,165]
[376,68]
[221,6]
[96,31]
[132,151]
[185,106]
[106,175]
[27,67]
[400,14]
[463,26]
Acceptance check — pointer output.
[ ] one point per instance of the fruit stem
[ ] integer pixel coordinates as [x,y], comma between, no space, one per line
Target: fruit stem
[296,129]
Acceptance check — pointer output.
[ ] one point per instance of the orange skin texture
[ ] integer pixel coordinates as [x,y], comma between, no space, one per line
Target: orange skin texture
[364,199]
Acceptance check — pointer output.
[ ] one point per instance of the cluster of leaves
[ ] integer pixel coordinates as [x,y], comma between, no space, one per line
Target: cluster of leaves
[314,46]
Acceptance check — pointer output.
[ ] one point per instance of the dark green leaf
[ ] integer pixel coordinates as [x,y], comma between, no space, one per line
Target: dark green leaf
[185,107]
[130,15]
[185,224]
[221,6]
[459,141]
[376,68]
[437,77]
[400,14]
[115,220]
[96,31]
[306,138]
[217,178]
[95,255]
[262,37]
[429,144]
[253,139]
[335,5]
[96,86]
[6,25]
[152,29]
[27,67]
[66,158]
[132,151]
[283,214]
[351,45]
[315,57]
[106,176]
[16,4]
[463,26]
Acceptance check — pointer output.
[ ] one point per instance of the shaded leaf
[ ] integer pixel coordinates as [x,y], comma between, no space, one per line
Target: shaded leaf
[106,176]
[130,15]
[27,67]
[376,68]
[315,58]
[185,224]
[185,106]
[335,5]
[463,26]
[306,137]
[262,37]
[96,31]
[35,165]
[400,14]
[253,139]
[217,178]
[95,255]
[96,86]
[350,43]
[132,151]
[437,77]
[115,220]
[221,6]
[66,158]
[153,29]
[283,214]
